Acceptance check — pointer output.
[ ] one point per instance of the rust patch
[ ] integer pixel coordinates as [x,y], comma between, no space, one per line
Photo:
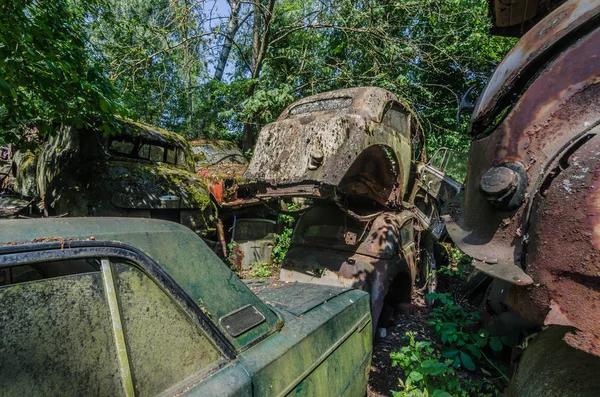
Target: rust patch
[537,44]
[565,260]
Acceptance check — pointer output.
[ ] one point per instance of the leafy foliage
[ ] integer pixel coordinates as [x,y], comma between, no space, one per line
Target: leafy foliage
[428,373]
[261,270]
[46,73]
[284,239]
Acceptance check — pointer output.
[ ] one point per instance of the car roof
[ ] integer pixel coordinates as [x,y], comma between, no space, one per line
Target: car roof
[177,249]
[367,101]
[138,129]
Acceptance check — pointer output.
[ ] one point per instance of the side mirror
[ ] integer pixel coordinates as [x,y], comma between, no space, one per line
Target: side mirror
[464,103]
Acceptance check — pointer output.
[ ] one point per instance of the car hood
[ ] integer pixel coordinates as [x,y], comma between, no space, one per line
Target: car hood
[134,185]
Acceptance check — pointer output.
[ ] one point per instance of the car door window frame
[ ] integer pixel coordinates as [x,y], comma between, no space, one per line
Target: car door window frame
[16,255]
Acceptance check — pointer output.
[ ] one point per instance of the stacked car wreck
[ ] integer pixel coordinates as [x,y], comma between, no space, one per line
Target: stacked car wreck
[352,155]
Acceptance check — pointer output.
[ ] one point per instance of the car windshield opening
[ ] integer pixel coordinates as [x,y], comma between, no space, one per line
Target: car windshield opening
[146,150]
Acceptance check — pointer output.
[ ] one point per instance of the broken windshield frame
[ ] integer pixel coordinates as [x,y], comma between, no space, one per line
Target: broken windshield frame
[141,149]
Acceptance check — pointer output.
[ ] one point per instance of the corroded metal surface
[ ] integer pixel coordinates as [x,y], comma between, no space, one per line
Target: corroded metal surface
[328,249]
[540,43]
[328,144]
[555,110]
[544,243]
[564,252]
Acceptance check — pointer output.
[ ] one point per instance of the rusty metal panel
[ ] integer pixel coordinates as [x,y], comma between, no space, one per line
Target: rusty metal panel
[539,43]
[563,260]
[56,339]
[348,147]
[555,111]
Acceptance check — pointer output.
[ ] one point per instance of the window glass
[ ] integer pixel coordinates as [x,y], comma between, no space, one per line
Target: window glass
[157,153]
[437,160]
[246,230]
[181,157]
[171,155]
[406,233]
[396,119]
[119,146]
[144,151]
[456,166]
[164,345]
[57,338]
[40,271]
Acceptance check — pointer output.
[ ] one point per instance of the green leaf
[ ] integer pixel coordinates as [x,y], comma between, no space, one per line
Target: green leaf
[449,352]
[467,361]
[440,393]
[103,105]
[433,368]
[495,343]
[415,376]
[474,350]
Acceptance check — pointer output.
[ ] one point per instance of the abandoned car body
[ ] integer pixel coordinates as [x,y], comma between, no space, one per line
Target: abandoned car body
[353,141]
[354,153]
[110,306]
[529,212]
[221,164]
[139,171]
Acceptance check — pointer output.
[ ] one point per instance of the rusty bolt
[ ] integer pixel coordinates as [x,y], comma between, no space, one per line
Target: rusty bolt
[498,181]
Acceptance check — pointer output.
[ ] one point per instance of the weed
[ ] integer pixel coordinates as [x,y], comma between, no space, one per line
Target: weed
[283,240]
[261,270]
[457,330]
[428,374]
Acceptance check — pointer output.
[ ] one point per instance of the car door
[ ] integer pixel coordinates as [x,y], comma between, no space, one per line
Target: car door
[438,181]
[105,321]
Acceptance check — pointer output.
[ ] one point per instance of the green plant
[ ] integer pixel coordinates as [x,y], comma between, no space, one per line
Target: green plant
[283,239]
[457,330]
[429,374]
[426,374]
[261,270]
[459,265]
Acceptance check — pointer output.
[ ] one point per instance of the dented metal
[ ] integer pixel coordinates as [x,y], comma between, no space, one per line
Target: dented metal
[544,97]
[324,139]
[331,248]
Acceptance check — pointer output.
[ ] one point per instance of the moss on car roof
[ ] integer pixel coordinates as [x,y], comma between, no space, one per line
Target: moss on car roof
[139,129]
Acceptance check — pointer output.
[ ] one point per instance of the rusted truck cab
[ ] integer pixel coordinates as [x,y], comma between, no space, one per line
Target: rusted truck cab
[357,156]
[529,213]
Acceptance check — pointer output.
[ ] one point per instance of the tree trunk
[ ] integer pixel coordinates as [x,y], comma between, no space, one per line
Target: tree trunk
[260,42]
[232,28]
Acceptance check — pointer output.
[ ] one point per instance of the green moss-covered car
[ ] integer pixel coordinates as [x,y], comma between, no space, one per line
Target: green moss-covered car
[113,306]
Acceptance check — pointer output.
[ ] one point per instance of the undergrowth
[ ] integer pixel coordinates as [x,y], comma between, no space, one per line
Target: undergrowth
[261,270]
[437,368]
[283,239]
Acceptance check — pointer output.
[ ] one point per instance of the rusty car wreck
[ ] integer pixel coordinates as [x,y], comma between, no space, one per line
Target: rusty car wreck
[140,171]
[353,155]
[529,214]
